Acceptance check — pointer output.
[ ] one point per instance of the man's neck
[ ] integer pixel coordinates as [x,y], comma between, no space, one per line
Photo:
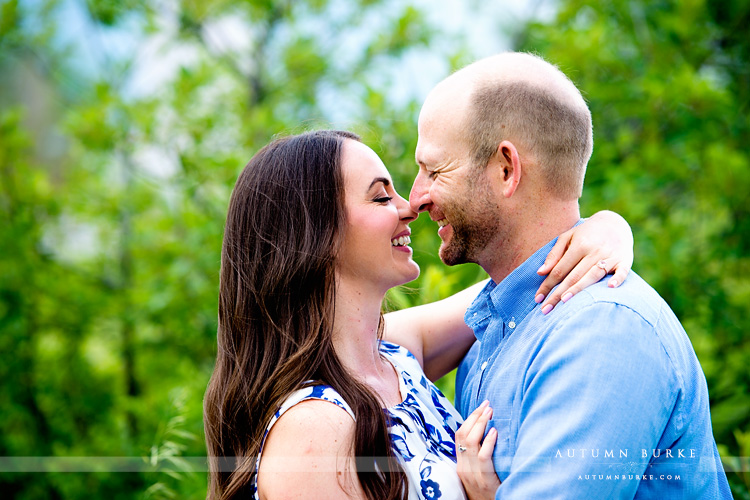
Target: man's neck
[529,235]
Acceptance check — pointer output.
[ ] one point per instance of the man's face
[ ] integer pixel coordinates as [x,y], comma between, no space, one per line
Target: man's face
[453,190]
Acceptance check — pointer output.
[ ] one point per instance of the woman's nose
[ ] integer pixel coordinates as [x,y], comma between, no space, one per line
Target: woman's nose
[405,212]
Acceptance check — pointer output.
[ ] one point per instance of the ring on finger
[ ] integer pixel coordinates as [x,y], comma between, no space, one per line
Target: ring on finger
[461,448]
[602,264]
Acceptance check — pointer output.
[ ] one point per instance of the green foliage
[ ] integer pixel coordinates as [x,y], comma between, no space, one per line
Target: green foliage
[166,455]
[110,238]
[114,182]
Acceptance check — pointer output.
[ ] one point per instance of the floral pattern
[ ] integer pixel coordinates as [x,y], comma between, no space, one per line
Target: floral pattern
[430,489]
[422,428]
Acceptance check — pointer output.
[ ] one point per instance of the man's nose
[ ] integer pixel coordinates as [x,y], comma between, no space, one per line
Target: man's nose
[419,197]
[405,213]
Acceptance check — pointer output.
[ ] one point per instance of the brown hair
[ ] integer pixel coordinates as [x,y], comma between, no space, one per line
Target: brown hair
[284,227]
[555,131]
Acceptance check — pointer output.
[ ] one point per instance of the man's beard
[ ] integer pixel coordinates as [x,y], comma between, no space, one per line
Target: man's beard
[474,225]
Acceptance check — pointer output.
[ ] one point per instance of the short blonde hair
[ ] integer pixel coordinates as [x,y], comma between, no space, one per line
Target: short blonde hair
[555,131]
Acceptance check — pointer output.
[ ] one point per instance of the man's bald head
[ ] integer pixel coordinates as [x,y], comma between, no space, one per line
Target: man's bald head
[523,99]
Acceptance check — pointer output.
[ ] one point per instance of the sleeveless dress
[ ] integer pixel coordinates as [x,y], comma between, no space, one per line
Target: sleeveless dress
[422,428]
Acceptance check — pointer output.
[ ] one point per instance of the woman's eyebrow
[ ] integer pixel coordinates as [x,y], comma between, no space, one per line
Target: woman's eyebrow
[385,182]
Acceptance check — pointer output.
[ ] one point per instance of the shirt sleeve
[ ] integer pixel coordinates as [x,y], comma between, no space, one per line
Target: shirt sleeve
[597,395]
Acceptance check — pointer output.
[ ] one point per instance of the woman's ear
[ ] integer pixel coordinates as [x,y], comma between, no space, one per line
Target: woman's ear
[508,168]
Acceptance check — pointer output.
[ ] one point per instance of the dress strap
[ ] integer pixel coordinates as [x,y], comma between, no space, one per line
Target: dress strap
[400,357]
[324,392]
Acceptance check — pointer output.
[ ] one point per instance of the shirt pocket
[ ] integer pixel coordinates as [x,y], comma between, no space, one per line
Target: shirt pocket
[502,457]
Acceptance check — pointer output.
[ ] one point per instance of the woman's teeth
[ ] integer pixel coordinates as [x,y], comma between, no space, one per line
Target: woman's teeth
[401,241]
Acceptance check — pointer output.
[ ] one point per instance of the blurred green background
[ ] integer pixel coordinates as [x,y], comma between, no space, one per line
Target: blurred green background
[123,125]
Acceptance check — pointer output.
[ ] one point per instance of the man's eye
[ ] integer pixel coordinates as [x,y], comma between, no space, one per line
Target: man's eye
[432,174]
[384,199]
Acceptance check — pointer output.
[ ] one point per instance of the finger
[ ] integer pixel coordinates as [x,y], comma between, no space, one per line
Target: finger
[566,269]
[554,255]
[488,446]
[621,273]
[468,424]
[471,470]
[486,476]
[582,276]
[474,438]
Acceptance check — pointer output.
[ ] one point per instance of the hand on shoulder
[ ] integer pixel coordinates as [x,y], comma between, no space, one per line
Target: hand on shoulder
[309,454]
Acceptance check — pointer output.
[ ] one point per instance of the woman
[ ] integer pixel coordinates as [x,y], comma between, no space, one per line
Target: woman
[315,236]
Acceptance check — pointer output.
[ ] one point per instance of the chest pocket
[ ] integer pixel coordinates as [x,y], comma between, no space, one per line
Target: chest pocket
[503,454]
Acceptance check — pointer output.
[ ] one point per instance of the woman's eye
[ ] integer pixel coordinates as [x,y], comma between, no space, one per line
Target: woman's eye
[384,199]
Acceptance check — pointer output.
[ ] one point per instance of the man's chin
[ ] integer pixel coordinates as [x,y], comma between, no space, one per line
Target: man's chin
[450,255]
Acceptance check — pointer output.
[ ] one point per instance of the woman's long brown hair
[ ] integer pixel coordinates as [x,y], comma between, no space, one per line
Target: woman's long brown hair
[284,226]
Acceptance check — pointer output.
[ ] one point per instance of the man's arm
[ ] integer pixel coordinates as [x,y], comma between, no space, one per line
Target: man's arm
[599,391]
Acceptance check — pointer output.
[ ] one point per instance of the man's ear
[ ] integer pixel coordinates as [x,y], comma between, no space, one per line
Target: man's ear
[509,168]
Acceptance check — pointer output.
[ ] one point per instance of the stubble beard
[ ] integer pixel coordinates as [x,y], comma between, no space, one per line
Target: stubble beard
[474,219]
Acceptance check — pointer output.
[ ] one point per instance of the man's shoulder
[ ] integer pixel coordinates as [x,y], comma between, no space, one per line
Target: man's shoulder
[627,319]
[634,296]
[630,318]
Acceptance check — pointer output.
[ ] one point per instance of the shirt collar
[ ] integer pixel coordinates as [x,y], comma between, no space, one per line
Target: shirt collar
[512,299]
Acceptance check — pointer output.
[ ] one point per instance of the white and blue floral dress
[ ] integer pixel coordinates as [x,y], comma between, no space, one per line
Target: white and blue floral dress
[422,428]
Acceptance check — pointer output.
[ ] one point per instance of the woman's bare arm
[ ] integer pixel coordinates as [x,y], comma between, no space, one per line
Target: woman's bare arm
[435,333]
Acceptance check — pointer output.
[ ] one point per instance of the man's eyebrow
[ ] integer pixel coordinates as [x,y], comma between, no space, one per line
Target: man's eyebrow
[423,165]
[386,182]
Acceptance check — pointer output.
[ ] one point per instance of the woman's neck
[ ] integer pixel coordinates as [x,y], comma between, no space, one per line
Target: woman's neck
[355,326]
[355,338]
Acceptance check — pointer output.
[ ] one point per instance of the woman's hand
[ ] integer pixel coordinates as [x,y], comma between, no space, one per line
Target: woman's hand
[584,255]
[474,457]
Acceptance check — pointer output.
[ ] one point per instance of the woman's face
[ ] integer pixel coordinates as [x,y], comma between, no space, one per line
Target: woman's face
[375,249]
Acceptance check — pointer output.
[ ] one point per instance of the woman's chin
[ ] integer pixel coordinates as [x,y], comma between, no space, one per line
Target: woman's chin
[411,277]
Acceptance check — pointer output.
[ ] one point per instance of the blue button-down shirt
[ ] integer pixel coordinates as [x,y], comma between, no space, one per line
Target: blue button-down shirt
[602,398]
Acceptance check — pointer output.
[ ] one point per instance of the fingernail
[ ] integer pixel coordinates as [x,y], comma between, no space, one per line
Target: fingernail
[566,297]
[492,431]
[485,403]
[546,309]
[540,268]
[487,411]
[539,298]
[612,283]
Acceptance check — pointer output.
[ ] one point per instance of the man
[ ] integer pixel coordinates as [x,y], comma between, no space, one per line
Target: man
[602,397]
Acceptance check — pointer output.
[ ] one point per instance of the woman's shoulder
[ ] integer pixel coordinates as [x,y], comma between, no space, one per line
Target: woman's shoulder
[318,392]
[313,430]
[313,439]
[306,416]
[307,411]
[306,424]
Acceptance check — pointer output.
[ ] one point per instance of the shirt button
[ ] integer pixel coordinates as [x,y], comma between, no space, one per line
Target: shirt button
[484,365]
[474,314]
[512,324]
